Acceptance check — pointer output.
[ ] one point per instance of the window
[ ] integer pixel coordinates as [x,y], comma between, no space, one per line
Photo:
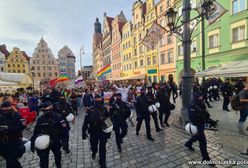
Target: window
[162,41]
[141,49]
[14,71]
[162,58]
[19,71]
[13,65]
[180,50]
[134,40]
[161,9]
[44,74]
[135,64]
[2,69]
[135,51]
[154,60]
[213,41]
[238,34]
[169,39]
[24,71]
[238,6]
[38,68]
[141,63]
[140,36]
[193,46]
[170,56]
[148,61]
[168,3]
[8,65]
[23,65]
[38,74]
[18,65]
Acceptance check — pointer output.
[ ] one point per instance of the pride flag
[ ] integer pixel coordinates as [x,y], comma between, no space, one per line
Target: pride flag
[104,71]
[63,77]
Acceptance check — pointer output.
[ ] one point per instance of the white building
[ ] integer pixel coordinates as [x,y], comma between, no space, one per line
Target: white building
[44,66]
[3,54]
[66,61]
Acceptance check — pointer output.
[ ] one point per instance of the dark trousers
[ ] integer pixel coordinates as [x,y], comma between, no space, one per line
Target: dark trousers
[175,96]
[155,119]
[10,154]
[226,102]
[65,139]
[243,115]
[200,136]
[101,139]
[206,101]
[147,122]
[74,106]
[44,156]
[120,128]
[163,112]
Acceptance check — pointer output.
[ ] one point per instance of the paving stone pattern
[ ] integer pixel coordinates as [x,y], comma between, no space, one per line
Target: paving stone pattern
[166,151]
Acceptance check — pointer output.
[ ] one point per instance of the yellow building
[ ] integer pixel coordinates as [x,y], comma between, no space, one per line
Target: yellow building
[151,56]
[138,11]
[167,49]
[126,49]
[17,62]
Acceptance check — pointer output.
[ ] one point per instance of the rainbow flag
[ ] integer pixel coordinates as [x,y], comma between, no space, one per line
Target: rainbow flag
[63,77]
[104,71]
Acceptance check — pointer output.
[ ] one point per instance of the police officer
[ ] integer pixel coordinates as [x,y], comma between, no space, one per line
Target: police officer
[141,106]
[52,124]
[164,109]
[198,116]
[151,101]
[93,123]
[11,128]
[226,90]
[64,109]
[120,112]
[204,90]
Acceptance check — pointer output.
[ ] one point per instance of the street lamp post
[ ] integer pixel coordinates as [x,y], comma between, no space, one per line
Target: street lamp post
[81,52]
[172,23]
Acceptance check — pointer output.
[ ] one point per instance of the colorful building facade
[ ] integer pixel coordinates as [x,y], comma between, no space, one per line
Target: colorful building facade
[226,40]
[117,25]
[127,51]
[17,62]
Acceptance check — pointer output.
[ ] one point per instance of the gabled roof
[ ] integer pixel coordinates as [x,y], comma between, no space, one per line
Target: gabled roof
[25,55]
[4,50]
[109,20]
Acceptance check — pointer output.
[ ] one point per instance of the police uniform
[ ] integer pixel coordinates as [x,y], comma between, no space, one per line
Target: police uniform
[164,109]
[141,107]
[93,123]
[52,124]
[119,113]
[11,128]
[151,101]
[198,116]
[64,109]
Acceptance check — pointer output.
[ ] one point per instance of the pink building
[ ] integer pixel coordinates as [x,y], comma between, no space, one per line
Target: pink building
[117,24]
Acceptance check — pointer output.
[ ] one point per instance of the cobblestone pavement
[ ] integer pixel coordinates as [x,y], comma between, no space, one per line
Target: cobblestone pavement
[166,151]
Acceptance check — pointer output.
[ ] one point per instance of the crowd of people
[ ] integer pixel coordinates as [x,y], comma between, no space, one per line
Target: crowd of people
[106,107]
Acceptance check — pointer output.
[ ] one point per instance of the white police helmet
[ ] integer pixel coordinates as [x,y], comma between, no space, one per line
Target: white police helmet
[70,117]
[107,126]
[27,144]
[191,129]
[157,104]
[215,87]
[42,142]
[152,108]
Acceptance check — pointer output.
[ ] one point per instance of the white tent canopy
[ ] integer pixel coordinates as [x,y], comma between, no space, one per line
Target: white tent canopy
[19,78]
[231,69]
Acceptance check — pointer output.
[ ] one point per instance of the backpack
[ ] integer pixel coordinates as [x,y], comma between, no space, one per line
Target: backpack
[235,103]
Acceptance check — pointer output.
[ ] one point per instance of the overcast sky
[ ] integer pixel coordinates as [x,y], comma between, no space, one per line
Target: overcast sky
[61,22]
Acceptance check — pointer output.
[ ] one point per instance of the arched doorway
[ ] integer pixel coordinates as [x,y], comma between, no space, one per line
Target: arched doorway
[181,73]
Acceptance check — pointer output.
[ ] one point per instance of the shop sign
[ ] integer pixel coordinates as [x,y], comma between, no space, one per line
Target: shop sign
[152,71]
